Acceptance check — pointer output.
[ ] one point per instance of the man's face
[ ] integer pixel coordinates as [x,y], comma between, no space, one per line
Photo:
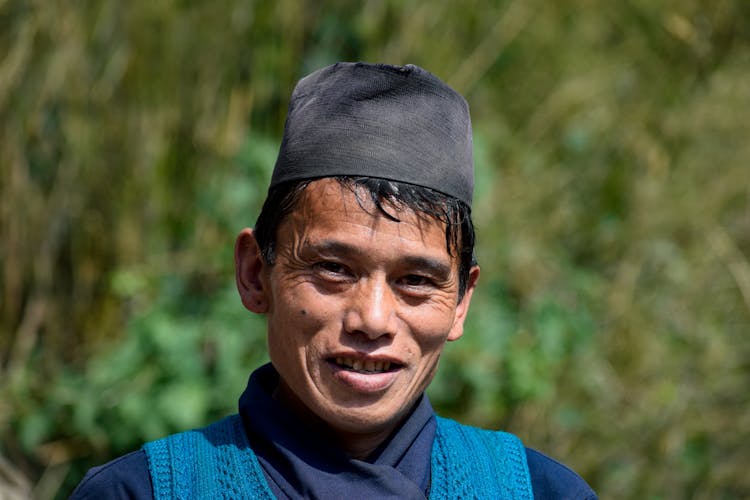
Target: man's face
[359,308]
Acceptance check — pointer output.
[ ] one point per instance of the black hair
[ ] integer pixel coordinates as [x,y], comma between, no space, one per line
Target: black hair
[389,197]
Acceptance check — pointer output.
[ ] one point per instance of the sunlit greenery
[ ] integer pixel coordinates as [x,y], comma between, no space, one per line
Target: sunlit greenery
[611,328]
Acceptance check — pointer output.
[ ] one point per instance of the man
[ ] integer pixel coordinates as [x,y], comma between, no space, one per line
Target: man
[362,262]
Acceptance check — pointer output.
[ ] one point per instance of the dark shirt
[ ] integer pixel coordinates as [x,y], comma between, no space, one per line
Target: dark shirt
[405,455]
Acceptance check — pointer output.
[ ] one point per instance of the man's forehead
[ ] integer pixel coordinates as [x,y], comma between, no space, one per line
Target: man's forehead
[327,206]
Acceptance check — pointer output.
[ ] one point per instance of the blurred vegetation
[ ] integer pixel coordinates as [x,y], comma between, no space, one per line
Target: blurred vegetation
[612,325]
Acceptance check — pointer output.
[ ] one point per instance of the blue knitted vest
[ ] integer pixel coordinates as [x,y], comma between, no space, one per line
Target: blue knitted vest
[217,462]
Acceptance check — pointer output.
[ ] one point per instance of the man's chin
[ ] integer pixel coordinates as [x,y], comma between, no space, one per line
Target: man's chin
[373,417]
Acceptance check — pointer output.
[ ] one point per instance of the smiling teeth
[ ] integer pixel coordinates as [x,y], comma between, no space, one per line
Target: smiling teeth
[368,366]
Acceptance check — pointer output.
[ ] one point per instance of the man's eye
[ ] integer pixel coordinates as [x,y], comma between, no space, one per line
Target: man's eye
[416,280]
[331,268]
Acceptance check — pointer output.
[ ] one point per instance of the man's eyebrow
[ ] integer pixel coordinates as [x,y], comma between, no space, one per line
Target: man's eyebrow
[331,247]
[435,267]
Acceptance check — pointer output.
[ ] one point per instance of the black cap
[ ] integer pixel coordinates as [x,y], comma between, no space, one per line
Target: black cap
[393,122]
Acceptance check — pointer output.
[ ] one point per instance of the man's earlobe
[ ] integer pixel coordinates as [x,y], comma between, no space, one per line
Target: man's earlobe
[248,269]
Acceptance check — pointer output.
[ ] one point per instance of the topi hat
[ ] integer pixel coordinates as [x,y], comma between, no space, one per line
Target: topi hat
[399,123]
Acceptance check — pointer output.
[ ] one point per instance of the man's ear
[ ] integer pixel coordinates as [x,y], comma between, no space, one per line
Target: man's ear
[463,306]
[249,267]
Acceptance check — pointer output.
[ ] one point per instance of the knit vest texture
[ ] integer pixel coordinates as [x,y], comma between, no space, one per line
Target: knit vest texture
[217,462]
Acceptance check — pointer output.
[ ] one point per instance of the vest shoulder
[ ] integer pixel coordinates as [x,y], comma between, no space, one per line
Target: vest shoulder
[469,462]
[202,463]
[457,430]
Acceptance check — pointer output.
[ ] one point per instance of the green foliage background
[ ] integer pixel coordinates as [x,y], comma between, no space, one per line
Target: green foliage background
[612,325]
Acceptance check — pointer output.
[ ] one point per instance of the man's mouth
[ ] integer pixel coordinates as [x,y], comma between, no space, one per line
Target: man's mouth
[365,365]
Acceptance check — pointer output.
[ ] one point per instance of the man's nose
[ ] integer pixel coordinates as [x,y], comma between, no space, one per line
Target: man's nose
[372,309]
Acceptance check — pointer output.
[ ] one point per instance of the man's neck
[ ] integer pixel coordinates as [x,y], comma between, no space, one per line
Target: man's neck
[355,445]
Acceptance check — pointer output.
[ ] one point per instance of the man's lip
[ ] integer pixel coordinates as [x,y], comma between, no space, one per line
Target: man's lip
[363,379]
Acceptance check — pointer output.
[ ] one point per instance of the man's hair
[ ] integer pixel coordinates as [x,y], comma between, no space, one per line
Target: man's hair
[389,197]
